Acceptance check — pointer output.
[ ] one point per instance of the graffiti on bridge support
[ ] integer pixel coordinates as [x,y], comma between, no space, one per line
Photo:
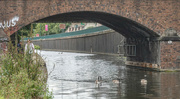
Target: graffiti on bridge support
[10,26]
[12,22]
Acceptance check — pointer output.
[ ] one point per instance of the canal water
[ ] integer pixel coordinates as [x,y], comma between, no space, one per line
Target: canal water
[73,75]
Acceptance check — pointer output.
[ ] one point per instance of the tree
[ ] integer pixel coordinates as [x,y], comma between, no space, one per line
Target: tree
[39,28]
[53,28]
[25,31]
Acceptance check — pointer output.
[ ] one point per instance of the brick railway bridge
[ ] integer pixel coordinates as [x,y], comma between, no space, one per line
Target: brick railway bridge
[152,25]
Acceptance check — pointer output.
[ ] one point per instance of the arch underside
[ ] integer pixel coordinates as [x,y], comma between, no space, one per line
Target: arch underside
[126,27]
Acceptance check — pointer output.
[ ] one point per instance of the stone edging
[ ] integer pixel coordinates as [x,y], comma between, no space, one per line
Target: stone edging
[143,64]
[150,66]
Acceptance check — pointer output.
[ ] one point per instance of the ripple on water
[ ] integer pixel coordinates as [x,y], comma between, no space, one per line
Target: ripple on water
[74,75]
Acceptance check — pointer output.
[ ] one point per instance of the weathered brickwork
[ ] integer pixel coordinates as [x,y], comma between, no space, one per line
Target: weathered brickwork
[157,15]
[169,55]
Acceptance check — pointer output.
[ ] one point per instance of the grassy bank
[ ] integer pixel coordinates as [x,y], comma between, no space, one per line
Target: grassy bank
[22,76]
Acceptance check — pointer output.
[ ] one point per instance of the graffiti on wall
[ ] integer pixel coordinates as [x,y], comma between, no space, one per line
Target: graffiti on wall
[12,22]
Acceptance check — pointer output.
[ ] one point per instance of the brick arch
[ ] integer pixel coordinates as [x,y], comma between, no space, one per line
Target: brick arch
[124,26]
[155,15]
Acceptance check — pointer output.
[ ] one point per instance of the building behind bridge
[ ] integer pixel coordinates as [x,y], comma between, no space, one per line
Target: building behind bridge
[82,26]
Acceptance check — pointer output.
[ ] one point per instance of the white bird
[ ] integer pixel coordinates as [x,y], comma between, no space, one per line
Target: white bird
[143,81]
[116,81]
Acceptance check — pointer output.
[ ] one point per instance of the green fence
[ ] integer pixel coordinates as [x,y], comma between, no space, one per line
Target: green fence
[86,31]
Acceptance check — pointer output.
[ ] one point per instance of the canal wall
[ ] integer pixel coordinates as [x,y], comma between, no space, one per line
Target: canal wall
[140,52]
[106,41]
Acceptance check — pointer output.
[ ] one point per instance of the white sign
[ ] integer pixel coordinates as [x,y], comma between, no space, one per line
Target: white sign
[9,23]
[169,42]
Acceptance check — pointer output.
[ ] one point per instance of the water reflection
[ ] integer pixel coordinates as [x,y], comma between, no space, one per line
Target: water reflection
[73,77]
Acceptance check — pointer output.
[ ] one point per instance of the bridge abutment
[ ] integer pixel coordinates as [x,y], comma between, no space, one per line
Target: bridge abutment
[162,53]
[147,53]
[170,50]
[170,55]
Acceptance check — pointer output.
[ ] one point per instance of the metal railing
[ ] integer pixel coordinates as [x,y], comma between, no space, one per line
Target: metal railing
[127,50]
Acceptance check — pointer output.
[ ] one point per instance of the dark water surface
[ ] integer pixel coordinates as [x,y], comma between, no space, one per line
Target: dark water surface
[73,75]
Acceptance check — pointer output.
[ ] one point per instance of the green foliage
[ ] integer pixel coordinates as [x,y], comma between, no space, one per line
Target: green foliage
[53,28]
[37,47]
[20,85]
[39,28]
[25,31]
[1,97]
[21,76]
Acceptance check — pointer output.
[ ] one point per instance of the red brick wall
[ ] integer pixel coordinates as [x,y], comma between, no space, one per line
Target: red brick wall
[169,54]
[157,15]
